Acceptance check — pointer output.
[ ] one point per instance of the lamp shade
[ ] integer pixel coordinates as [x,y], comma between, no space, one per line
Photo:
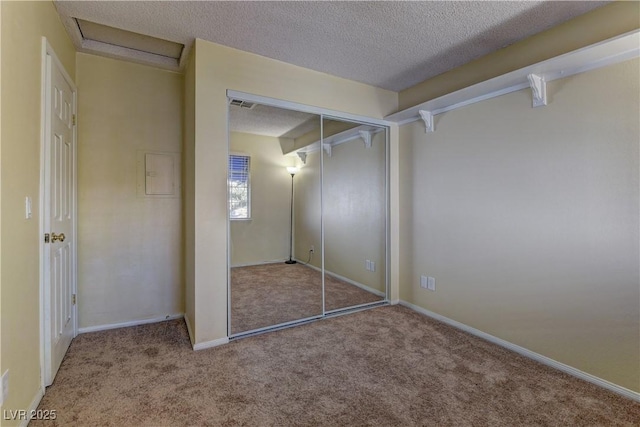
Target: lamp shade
[292,170]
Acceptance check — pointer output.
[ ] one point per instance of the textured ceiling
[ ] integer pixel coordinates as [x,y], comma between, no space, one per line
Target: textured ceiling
[393,44]
[272,121]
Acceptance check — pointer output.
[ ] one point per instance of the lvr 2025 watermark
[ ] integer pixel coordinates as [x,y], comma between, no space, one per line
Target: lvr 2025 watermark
[33,414]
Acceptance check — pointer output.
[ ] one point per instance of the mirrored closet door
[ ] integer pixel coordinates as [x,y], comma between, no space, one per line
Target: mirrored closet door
[307,201]
[354,200]
[267,286]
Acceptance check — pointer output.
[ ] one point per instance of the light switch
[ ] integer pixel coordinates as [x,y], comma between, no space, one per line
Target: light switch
[27,207]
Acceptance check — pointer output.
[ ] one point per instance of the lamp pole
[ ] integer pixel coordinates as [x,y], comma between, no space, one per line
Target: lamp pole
[292,171]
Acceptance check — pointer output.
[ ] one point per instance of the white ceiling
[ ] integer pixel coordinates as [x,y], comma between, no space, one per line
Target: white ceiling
[390,44]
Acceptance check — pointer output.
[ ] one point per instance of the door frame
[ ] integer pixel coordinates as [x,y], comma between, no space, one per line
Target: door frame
[45,130]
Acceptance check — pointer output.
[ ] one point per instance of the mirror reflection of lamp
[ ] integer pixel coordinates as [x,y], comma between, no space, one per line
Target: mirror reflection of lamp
[292,170]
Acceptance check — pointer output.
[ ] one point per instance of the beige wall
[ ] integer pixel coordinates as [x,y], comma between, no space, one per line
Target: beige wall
[129,246]
[600,24]
[217,69]
[529,220]
[23,25]
[188,193]
[265,237]
[1,365]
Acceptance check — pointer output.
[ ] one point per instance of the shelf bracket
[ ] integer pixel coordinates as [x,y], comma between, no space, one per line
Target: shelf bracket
[367,137]
[538,89]
[303,156]
[327,148]
[427,118]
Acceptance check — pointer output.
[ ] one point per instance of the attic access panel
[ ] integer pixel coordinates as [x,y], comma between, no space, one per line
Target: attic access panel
[92,31]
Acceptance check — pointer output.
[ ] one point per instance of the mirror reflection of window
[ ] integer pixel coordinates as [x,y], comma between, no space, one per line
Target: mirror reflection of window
[239,187]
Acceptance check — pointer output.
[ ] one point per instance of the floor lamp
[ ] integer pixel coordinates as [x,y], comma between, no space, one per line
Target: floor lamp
[292,170]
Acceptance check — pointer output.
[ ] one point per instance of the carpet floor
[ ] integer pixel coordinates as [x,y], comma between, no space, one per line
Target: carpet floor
[270,294]
[386,366]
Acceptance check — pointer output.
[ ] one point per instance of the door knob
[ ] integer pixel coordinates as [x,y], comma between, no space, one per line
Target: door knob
[57,237]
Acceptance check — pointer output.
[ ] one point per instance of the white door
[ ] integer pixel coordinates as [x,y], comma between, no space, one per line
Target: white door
[59,217]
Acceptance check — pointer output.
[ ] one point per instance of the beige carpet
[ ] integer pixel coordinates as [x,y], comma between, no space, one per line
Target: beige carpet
[386,366]
[266,295]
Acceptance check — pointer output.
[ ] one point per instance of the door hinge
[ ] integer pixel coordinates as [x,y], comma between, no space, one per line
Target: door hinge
[73,299]
[73,119]
[46,237]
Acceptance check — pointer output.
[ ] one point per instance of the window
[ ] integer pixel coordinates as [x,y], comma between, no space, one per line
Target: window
[239,187]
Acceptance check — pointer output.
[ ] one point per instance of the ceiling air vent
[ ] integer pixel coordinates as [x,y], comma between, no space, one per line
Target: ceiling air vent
[242,104]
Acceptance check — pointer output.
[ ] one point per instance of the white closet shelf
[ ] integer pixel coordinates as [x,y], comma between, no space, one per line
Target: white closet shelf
[365,132]
[608,52]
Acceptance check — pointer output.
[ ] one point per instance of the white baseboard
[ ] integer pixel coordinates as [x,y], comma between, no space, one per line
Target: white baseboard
[308,265]
[349,281]
[253,264]
[210,344]
[130,323]
[199,346]
[206,344]
[528,353]
[33,407]
[358,284]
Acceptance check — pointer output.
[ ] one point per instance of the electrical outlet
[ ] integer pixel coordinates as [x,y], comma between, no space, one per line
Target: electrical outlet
[312,249]
[370,265]
[4,392]
[423,282]
[428,283]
